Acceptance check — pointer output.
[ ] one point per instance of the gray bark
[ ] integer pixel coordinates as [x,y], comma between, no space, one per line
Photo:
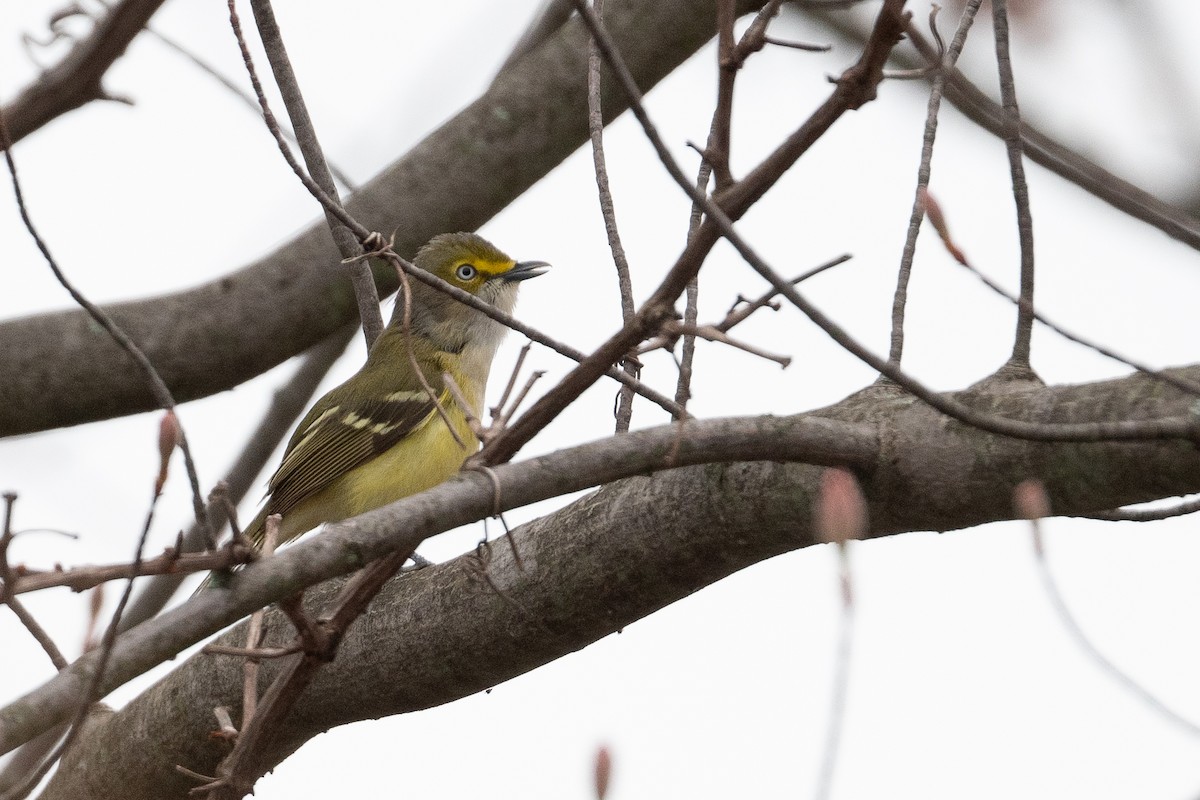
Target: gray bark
[60,370]
[629,549]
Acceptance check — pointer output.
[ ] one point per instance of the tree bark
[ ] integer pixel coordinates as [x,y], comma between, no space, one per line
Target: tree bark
[60,370]
[633,547]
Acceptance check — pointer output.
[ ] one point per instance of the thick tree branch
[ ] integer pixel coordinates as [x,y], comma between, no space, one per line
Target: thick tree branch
[622,553]
[76,79]
[213,337]
[347,546]
[929,473]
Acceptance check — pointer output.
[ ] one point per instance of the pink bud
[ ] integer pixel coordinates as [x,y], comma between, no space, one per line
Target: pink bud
[841,512]
[1030,499]
[169,435]
[933,212]
[603,771]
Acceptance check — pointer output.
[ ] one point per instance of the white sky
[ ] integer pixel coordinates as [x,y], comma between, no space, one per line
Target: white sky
[963,682]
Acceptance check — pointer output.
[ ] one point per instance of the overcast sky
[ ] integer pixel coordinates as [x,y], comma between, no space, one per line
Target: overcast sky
[963,683]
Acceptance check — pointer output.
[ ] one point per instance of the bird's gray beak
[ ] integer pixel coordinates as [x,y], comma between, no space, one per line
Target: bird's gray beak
[523,270]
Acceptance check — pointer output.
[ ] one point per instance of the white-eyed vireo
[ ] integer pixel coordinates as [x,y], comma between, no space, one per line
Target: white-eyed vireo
[379,437]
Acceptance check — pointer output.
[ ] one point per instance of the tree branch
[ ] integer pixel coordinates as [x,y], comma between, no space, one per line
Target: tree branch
[616,556]
[215,336]
[76,79]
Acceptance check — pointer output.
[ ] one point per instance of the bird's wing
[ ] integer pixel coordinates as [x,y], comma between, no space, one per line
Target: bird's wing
[340,434]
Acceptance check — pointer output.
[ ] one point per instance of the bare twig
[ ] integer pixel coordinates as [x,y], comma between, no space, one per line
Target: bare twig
[713,334]
[1146,514]
[375,245]
[95,680]
[348,244]
[691,309]
[1072,625]
[608,212]
[340,175]
[1012,141]
[171,562]
[8,594]
[900,298]
[498,409]
[254,631]
[855,87]
[288,403]
[742,310]
[149,374]
[77,79]
[1184,385]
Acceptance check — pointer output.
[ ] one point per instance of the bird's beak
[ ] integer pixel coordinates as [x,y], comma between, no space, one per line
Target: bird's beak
[523,270]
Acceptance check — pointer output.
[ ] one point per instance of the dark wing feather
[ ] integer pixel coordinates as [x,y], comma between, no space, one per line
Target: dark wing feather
[341,433]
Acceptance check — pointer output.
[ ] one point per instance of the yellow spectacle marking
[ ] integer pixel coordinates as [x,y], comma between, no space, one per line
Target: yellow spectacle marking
[493,267]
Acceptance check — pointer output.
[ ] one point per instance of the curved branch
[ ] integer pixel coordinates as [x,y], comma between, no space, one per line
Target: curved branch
[618,555]
[920,471]
[213,337]
[76,80]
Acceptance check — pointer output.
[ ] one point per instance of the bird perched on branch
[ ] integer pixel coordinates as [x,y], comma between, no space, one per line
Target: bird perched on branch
[380,436]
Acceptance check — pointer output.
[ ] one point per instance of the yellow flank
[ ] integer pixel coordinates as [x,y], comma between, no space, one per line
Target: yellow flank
[425,458]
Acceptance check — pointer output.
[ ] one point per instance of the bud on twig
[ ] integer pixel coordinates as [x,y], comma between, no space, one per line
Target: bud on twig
[933,212]
[169,435]
[841,512]
[1030,500]
[603,772]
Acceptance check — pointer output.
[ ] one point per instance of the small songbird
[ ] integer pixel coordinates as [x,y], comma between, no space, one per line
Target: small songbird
[379,437]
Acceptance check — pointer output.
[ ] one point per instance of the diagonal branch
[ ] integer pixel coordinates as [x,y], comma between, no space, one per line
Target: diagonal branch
[217,335]
[613,557]
[76,79]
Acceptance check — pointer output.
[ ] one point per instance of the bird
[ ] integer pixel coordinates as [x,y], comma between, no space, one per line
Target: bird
[379,436]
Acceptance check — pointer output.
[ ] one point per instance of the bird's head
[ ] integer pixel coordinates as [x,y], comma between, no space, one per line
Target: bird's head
[475,265]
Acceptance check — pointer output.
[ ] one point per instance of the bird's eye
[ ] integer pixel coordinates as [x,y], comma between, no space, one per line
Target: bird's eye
[465,272]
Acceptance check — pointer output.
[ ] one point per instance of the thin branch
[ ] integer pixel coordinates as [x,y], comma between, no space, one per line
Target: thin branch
[1012,141]
[343,548]
[347,243]
[77,79]
[8,593]
[1122,678]
[1182,384]
[340,175]
[713,334]
[172,562]
[900,298]
[855,87]
[1146,514]
[620,262]
[95,679]
[743,309]
[149,374]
